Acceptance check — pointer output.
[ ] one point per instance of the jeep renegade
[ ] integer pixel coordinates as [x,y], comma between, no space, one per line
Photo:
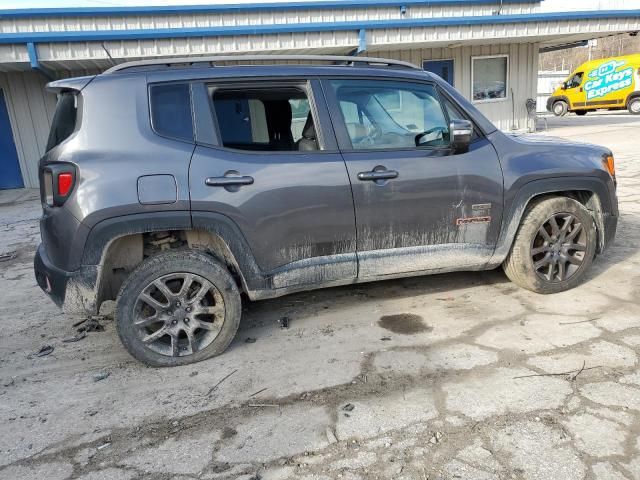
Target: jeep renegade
[175,186]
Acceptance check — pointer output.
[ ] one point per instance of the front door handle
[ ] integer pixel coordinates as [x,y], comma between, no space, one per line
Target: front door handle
[228,181]
[377,175]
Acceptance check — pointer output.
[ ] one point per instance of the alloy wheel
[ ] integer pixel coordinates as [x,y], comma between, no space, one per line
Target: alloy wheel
[559,247]
[179,314]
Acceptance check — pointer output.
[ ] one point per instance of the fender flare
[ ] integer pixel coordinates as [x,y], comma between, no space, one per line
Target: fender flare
[601,207]
[230,233]
[104,233]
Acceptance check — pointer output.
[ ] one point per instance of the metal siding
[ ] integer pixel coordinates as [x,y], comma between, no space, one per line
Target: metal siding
[72,56]
[30,110]
[249,17]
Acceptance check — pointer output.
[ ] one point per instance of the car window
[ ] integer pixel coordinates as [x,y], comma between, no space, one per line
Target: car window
[171,110]
[64,119]
[387,114]
[575,81]
[269,119]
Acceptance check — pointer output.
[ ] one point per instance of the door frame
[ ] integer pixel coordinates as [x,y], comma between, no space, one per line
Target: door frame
[204,113]
[297,275]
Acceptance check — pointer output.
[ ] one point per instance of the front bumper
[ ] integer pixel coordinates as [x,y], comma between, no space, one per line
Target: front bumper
[75,292]
[610,227]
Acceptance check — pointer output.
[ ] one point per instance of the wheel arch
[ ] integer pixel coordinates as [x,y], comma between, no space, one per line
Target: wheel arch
[632,96]
[591,192]
[555,99]
[118,245]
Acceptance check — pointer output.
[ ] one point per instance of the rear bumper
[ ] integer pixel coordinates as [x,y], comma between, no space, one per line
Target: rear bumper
[52,280]
[75,292]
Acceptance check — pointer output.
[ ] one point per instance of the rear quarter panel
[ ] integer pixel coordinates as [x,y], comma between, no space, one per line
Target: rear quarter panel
[114,147]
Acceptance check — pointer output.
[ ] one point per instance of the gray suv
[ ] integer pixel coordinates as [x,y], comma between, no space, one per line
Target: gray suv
[176,186]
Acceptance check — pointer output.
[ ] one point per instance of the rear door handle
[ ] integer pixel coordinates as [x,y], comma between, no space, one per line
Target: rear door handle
[377,175]
[228,181]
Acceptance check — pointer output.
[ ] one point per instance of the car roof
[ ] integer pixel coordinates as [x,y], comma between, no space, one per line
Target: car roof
[274,72]
[246,66]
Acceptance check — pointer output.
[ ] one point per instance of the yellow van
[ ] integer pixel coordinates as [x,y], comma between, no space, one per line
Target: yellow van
[612,83]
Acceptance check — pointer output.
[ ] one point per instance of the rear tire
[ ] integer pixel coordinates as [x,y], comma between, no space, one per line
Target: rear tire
[548,254]
[560,108]
[634,106]
[178,308]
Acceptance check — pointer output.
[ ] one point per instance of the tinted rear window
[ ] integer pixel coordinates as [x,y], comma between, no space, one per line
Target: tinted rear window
[171,111]
[64,119]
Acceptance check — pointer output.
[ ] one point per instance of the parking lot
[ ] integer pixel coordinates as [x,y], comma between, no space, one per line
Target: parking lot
[449,376]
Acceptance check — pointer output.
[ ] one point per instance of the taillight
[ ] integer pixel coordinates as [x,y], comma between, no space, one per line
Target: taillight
[58,180]
[65,182]
[47,187]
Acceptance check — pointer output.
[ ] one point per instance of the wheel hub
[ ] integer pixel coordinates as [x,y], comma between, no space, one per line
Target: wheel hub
[559,247]
[179,314]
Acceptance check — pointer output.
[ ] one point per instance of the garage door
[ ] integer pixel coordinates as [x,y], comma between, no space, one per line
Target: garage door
[10,176]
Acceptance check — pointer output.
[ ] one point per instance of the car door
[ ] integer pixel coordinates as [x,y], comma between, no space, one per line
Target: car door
[420,205]
[274,169]
[575,92]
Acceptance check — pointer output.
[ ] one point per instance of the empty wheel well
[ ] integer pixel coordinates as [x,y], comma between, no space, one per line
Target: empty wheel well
[125,253]
[587,198]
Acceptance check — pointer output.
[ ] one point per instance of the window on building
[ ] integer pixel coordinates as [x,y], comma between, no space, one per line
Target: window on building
[490,78]
[388,114]
[270,119]
[171,110]
[64,119]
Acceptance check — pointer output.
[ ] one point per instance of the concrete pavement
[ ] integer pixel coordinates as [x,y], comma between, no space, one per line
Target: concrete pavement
[463,382]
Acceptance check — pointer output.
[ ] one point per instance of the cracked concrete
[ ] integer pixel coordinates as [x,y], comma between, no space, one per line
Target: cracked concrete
[338,395]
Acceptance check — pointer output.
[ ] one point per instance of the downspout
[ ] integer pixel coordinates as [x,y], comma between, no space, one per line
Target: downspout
[362,43]
[35,62]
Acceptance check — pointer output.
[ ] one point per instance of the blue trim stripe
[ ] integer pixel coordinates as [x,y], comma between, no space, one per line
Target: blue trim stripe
[146,34]
[241,7]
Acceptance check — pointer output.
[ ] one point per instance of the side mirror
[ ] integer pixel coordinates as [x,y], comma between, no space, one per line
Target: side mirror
[563,86]
[461,134]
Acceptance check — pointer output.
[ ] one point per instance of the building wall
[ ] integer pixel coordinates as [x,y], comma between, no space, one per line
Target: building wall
[30,110]
[31,107]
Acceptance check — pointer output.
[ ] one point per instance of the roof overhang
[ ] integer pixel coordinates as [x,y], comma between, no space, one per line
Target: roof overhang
[92,50]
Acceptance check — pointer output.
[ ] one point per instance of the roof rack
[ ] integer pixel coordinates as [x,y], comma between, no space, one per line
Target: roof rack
[212,60]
